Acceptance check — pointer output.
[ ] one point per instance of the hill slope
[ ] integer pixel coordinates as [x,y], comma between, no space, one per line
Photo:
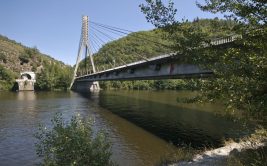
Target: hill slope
[15,58]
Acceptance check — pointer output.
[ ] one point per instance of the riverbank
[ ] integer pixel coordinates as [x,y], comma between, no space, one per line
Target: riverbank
[233,152]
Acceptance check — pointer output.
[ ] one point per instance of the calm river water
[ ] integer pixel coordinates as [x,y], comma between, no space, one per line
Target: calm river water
[141,124]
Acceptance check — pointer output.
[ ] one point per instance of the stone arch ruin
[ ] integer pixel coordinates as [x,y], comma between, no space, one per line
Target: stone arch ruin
[26,81]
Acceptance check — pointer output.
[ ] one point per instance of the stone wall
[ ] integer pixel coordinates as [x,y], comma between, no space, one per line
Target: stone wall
[25,85]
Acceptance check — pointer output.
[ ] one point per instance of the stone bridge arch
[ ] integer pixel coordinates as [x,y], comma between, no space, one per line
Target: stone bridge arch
[26,81]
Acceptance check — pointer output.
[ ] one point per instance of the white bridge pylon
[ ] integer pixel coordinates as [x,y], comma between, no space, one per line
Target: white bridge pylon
[84,45]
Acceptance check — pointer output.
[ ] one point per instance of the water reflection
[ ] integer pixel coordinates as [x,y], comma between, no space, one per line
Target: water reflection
[140,124]
[26,96]
[20,114]
[136,145]
[132,145]
[171,122]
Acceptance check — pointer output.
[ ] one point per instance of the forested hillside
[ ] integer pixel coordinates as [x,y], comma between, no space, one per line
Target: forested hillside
[15,58]
[146,44]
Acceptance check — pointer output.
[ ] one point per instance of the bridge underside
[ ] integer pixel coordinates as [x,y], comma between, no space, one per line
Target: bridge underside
[162,67]
[85,86]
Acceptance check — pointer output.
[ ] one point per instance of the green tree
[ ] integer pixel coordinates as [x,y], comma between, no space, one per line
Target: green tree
[240,69]
[158,14]
[43,81]
[72,143]
[3,57]
[7,78]
[249,11]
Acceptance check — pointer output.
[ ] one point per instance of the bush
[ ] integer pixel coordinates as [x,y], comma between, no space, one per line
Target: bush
[24,58]
[3,57]
[72,143]
[6,74]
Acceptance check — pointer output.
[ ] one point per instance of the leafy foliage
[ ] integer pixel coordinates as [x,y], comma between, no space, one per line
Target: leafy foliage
[6,78]
[253,12]
[158,14]
[3,57]
[178,84]
[53,77]
[240,68]
[72,143]
[24,58]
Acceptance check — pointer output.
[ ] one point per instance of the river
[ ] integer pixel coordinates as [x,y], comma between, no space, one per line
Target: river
[143,126]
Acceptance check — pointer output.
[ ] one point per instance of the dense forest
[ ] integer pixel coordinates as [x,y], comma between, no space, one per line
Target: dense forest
[15,58]
[146,44]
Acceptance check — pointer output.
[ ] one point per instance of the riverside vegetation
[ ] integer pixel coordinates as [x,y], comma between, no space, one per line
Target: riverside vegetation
[240,71]
[14,58]
[72,143]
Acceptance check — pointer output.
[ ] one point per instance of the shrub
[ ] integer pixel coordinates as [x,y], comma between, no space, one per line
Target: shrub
[24,58]
[6,74]
[72,143]
[3,57]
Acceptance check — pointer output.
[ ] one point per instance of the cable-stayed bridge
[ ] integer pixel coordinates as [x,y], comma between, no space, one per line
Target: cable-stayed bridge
[167,66]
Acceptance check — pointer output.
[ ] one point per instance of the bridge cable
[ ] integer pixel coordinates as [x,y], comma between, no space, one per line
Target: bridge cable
[97,40]
[114,59]
[136,55]
[121,32]
[111,26]
[156,37]
[95,43]
[104,34]
[125,33]
[102,42]
[142,57]
[114,33]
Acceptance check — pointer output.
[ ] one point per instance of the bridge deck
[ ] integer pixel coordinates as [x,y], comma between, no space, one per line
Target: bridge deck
[160,67]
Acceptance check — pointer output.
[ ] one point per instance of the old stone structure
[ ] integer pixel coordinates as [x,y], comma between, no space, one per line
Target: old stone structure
[26,81]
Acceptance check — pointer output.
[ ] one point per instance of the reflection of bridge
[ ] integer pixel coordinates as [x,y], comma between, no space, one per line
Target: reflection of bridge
[167,66]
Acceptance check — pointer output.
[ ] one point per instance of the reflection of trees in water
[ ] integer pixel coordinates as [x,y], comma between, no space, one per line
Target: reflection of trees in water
[175,124]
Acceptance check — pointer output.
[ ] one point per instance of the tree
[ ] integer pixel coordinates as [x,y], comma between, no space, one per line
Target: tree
[240,69]
[158,14]
[72,143]
[249,11]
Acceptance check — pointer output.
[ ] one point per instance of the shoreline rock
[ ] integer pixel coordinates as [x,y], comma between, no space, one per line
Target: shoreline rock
[218,156]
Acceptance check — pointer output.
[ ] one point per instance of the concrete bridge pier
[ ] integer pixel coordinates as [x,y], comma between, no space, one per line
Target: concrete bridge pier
[85,86]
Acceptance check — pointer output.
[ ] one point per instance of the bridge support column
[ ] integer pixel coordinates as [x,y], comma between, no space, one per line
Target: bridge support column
[84,44]
[85,86]
[95,86]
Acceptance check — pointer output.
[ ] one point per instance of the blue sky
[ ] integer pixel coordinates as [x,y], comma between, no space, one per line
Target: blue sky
[53,26]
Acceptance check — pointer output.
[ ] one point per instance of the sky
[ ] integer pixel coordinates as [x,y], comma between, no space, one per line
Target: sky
[54,26]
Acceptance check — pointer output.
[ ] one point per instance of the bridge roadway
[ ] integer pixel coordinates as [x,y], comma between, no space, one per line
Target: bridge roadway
[167,66]
[160,67]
